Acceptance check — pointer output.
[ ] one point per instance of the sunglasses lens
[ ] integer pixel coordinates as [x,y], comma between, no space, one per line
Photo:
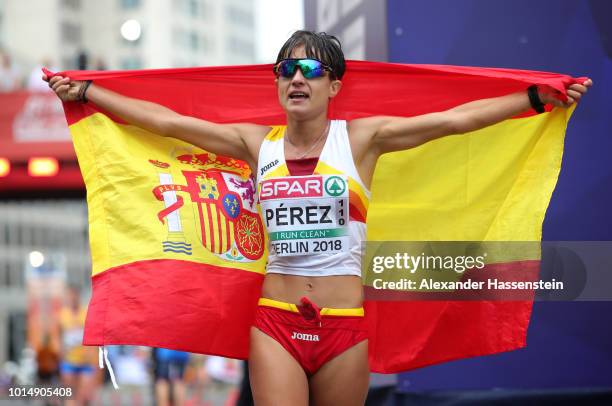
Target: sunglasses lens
[311,68]
[287,68]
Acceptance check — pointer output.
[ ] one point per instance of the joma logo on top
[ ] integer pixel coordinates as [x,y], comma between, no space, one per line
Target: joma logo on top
[287,187]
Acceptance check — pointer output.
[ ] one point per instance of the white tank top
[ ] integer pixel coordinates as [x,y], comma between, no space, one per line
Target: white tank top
[316,224]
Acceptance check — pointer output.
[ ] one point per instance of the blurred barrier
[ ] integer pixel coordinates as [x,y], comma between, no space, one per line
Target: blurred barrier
[32,125]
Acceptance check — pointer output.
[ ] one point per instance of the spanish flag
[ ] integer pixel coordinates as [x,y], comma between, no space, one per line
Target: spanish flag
[179,250]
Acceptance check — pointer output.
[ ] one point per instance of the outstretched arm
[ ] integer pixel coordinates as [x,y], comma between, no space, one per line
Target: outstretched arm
[388,134]
[236,140]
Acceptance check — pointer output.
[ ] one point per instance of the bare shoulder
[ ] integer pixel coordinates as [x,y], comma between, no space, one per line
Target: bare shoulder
[366,124]
[252,130]
[361,134]
[363,130]
[252,136]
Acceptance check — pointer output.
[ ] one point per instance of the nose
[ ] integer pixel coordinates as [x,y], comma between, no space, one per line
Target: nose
[298,77]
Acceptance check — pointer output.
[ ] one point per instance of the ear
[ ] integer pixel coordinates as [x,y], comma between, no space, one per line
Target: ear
[334,88]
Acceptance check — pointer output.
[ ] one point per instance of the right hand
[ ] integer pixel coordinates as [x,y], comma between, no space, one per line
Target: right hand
[64,88]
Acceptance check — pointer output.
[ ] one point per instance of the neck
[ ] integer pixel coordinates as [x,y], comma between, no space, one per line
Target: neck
[304,133]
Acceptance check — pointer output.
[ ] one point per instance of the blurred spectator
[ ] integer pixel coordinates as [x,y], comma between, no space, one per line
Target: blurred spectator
[200,379]
[10,77]
[169,373]
[130,365]
[99,64]
[85,62]
[225,370]
[131,368]
[47,361]
[77,367]
[82,60]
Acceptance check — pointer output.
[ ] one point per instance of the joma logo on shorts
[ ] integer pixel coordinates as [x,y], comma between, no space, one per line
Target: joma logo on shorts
[305,337]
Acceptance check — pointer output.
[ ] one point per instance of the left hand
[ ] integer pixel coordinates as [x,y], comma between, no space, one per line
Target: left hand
[548,95]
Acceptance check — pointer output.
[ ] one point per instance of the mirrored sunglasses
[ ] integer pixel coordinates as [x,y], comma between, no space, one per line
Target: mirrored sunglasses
[311,68]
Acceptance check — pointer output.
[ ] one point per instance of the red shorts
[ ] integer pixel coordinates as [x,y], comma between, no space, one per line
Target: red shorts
[311,335]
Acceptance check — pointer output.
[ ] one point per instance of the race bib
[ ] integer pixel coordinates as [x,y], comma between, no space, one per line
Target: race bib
[306,215]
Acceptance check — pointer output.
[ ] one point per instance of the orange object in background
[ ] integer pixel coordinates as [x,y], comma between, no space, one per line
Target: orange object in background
[43,166]
[5,167]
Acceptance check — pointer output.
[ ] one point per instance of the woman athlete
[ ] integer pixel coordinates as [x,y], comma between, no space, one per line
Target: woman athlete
[308,343]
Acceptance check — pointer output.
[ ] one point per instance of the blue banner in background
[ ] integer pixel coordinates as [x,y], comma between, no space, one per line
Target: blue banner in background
[569,344]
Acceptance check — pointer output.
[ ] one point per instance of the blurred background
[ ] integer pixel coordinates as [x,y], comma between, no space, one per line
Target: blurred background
[44,253]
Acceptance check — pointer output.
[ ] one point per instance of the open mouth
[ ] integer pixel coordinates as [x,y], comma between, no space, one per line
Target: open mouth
[298,96]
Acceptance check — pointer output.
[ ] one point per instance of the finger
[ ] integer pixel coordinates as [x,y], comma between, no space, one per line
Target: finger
[588,83]
[575,94]
[557,103]
[58,84]
[62,89]
[62,82]
[45,78]
[578,87]
[54,79]
[566,103]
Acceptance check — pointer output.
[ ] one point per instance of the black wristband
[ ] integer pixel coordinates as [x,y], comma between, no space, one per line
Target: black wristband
[83,92]
[534,99]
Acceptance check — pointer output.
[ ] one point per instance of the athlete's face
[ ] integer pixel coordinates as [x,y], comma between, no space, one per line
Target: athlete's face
[305,98]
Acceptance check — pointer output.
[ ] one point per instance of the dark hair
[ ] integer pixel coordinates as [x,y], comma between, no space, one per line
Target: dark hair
[318,45]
